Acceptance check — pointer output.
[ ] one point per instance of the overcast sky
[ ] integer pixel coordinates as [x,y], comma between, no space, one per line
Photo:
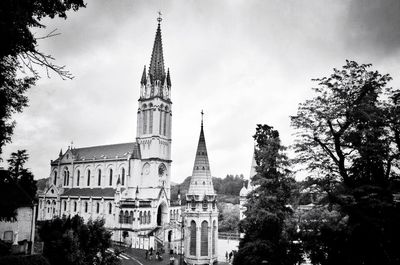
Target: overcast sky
[243,62]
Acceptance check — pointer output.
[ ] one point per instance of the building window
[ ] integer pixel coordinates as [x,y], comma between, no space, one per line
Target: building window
[110,208]
[151,119]
[65,206]
[213,236]
[161,116]
[123,177]
[86,207]
[111,176]
[55,178]
[144,120]
[97,207]
[121,216]
[75,205]
[88,177]
[99,178]
[140,218]
[165,122]
[126,217]
[67,177]
[145,217]
[8,236]
[204,239]
[193,204]
[148,217]
[205,204]
[78,177]
[192,250]
[130,217]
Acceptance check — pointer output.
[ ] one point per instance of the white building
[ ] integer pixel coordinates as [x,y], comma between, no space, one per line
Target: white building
[127,184]
[245,191]
[201,213]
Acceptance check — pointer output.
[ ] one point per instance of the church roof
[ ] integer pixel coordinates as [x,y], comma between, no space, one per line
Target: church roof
[89,192]
[124,150]
[156,69]
[201,180]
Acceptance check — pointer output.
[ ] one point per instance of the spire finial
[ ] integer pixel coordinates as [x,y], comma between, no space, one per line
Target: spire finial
[159,19]
[202,114]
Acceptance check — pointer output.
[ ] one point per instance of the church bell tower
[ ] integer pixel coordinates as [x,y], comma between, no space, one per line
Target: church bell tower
[154,119]
[201,213]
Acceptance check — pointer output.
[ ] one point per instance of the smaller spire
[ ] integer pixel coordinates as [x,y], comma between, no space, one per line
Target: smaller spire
[202,114]
[144,80]
[168,79]
[61,152]
[118,181]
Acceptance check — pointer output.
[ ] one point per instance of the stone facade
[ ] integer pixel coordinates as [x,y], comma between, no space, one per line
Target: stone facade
[128,184]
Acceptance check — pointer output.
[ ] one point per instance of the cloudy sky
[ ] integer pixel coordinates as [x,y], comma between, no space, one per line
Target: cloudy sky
[243,61]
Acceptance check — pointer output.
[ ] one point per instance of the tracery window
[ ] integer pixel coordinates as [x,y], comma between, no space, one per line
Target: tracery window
[123,177]
[78,177]
[88,177]
[204,239]
[99,178]
[111,176]
[192,247]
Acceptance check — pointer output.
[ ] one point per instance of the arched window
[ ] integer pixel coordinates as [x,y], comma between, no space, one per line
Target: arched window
[170,215]
[148,217]
[99,178]
[64,177]
[151,118]
[67,177]
[145,217]
[111,177]
[55,178]
[65,205]
[165,121]
[123,177]
[97,207]
[88,177]
[121,216]
[140,218]
[86,207]
[75,205]
[131,217]
[126,217]
[78,177]
[192,250]
[204,239]
[144,119]
[110,208]
[161,118]
[213,236]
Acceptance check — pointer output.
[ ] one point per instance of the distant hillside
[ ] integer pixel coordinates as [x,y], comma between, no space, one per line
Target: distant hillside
[41,184]
[227,189]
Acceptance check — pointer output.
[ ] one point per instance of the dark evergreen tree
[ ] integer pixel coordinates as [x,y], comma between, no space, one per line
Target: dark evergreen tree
[21,175]
[270,235]
[348,136]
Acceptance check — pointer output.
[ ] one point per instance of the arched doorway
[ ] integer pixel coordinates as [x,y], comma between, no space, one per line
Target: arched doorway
[162,214]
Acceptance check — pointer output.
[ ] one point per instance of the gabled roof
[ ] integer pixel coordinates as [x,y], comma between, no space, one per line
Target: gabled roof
[125,150]
[89,192]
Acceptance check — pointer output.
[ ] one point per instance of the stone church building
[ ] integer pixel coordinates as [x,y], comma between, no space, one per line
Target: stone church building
[126,184]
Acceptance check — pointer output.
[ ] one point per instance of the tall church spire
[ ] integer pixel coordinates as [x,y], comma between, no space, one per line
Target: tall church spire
[157,70]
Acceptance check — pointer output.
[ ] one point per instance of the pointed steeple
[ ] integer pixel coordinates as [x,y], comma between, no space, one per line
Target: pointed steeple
[143,81]
[61,152]
[168,79]
[201,180]
[156,70]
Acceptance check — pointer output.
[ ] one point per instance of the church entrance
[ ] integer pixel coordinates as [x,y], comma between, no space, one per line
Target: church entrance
[161,214]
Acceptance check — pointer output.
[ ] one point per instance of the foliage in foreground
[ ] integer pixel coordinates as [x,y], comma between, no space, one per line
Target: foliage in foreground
[269,232]
[349,138]
[69,241]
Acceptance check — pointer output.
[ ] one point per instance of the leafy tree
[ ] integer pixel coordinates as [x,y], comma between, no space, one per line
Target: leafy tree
[21,175]
[19,54]
[69,241]
[269,231]
[348,135]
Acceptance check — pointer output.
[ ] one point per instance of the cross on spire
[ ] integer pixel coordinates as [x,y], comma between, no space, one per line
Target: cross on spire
[159,19]
[202,114]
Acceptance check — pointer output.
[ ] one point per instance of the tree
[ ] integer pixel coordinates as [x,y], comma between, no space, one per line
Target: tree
[348,137]
[269,231]
[21,175]
[69,241]
[19,54]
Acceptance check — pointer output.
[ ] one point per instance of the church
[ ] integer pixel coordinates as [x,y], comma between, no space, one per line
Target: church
[126,184]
